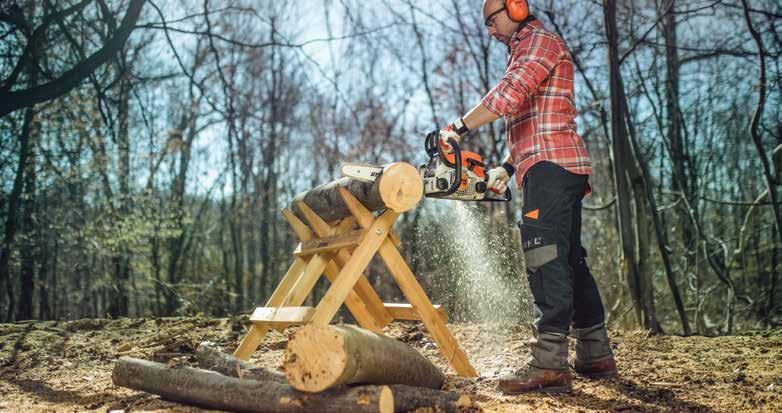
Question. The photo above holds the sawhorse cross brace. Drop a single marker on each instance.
(342, 253)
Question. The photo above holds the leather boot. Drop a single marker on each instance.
(547, 370)
(594, 357)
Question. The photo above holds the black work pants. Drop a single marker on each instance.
(563, 289)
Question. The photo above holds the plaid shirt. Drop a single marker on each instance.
(536, 98)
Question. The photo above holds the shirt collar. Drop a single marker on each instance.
(526, 26)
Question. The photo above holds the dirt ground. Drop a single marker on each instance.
(66, 366)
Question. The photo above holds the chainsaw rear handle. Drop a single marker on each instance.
(457, 164)
(434, 148)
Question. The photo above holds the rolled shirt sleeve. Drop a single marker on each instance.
(534, 57)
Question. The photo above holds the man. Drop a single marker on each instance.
(552, 167)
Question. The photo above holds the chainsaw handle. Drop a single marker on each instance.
(433, 148)
(430, 143)
(457, 164)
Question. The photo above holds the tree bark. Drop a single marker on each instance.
(399, 187)
(408, 399)
(211, 358)
(320, 357)
(215, 391)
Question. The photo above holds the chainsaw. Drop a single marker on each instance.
(456, 174)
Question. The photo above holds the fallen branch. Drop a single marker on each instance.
(210, 358)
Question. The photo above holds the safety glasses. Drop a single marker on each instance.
(489, 22)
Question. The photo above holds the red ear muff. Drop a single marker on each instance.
(517, 9)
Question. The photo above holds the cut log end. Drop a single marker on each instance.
(315, 358)
(385, 401)
(320, 357)
(401, 186)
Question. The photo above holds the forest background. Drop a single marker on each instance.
(147, 147)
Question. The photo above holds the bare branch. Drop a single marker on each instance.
(11, 101)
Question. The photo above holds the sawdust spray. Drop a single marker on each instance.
(471, 262)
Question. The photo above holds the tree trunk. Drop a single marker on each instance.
(772, 285)
(679, 159)
(213, 390)
(320, 357)
(120, 301)
(770, 175)
(28, 246)
(238, 249)
(13, 208)
(56, 293)
(399, 188)
(629, 264)
(643, 191)
(44, 310)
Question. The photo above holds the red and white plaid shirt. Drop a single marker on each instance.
(536, 98)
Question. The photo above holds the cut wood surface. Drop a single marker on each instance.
(398, 188)
(321, 357)
(215, 391)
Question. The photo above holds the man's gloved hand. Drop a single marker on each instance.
(447, 134)
(499, 177)
(454, 131)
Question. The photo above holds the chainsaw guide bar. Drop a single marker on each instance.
(361, 171)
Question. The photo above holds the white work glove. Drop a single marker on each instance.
(499, 177)
(454, 131)
(445, 135)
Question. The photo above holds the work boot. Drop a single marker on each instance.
(594, 358)
(546, 371)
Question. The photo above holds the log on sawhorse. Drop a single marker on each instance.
(342, 250)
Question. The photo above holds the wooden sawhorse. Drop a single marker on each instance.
(342, 253)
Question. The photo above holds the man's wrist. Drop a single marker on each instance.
(460, 127)
(509, 168)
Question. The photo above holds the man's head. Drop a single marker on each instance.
(497, 16)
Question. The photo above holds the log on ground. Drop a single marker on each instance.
(211, 358)
(321, 357)
(398, 188)
(408, 399)
(213, 390)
